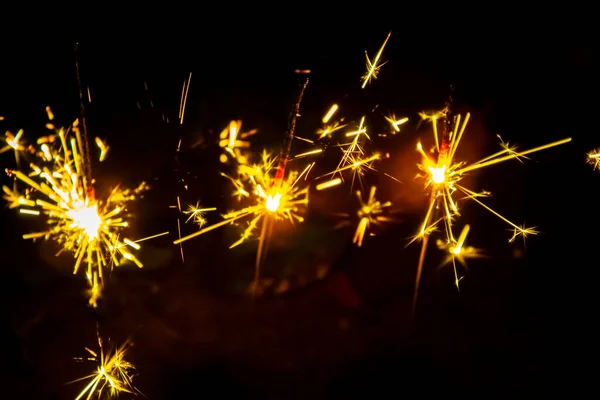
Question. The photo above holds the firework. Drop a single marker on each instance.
(443, 173)
(370, 213)
(113, 374)
(59, 189)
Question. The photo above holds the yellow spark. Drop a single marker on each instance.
(184, 95)
(370, 213)
(396, 122)
(103, 147)
(593, 158)
(266, 196)
(442, 176)
(234, 142)
(196, 214)
(374, 67)
(329, 184)
(79, 222)
(309, 153)
(15, 143)
(457, 251)
(113, 374)
(328, 130)
(330, 113)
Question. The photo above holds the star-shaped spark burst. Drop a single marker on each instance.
(233, 141)
(442, 174)
(113, 374)
(196, 214)
(15, 143)
(374, 66)
(59, 189)
(593, 158)
(370, 213)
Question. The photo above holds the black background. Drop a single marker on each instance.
(511, 328)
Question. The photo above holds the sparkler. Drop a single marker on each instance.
(443, 173)
(58, 189)
(113, 375)
(370, 213)
(272, 197)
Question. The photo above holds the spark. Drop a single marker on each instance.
(395, 123)
(196, 214)
(374, 67)
(233, 141)
(457, 251)
(593, 158)
(329, 184)
(15, 143)
(370, 213)
(58, 189)
(103, 149)
(113, 375)
(330, 113)
(184, 95)
(442, 176)
(327, 130)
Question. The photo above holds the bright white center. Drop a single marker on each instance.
(86, 218)
(273, 201)
(438, 175)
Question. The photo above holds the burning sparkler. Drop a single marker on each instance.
(113, 375)
(442, 174)
(59, 189)
(272, 195)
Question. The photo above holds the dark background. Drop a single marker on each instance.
(516, 326)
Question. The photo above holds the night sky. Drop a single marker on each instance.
(516, 325)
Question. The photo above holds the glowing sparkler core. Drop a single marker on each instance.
(273, 202)
(87, 219)
(438, 174)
